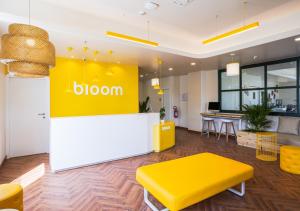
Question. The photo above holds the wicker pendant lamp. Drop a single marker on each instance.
(27, 51)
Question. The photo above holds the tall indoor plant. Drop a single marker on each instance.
(256, 120)
(256, 117)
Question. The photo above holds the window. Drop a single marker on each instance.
(253, 77)
(275, 84)
(231, 101)
(230, 82)
(282, 100)
(230, 98)
(282, 74)
(253, 97)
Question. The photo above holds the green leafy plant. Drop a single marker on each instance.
(162, 113)
(143, 106)
(256, 117)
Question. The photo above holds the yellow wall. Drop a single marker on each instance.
(112, 88)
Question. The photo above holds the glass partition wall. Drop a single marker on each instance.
(275, 84)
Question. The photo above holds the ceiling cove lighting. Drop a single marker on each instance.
(232, 33)
(130, 38)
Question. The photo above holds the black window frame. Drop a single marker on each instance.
(265, 88)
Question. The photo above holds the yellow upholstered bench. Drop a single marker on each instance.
(290, 159)
(182, 182)
(11, 196)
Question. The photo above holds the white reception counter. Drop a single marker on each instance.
(80, 141)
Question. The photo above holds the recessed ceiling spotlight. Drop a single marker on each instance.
(255, 57)
(170, 68)
(142, 12)
(297, 39)
(193, 63)
(150, 5)
(141, 75)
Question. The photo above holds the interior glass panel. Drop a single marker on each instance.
(230, 82)
(283, 74)
(253, 78)
(282, 100)
(230, 101)
(253, 97)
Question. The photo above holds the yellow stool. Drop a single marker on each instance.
(290, 159)
(266, 146)
(11, 196)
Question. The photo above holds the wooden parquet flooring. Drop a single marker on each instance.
(112, 186)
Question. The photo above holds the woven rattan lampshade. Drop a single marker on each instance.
(27, 51)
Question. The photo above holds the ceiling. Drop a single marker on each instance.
(178, 29)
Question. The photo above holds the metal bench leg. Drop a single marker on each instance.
(239, 193)
(150, 204)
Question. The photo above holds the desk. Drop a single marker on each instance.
(86, 140)
(231, 116)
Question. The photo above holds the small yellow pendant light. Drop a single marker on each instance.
(160, 92)
(156, 87)
(27, 51)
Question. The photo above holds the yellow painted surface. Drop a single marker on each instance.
(290, 159)
(182, 182)
(92, 88)
(164, 136)
(11, 196)
(131, 38)
(232, 32)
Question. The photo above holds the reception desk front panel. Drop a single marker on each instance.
(80, 141)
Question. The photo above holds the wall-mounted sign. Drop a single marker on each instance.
(84, 88)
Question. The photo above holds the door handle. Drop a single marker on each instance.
(41, 114)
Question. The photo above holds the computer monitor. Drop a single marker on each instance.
(215, 106)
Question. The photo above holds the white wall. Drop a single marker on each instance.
(183, 101)
(194, 101)
(2, 114)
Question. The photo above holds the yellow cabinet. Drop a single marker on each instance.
(164, 136)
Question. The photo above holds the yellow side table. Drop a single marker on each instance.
(290, 159)
(266, 146)
(164, 136)
(11, 196)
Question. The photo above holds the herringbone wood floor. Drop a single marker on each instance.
(112, 186)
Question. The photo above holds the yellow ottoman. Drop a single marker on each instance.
(182, 182)
(11, 196)
(290, 159)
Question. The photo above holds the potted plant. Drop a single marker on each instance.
(162, 114)
(256, 121)
(143, 106)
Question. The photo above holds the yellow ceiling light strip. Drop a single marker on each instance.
(231, 33)
(130, 38)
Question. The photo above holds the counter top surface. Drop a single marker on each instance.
(223, 115)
